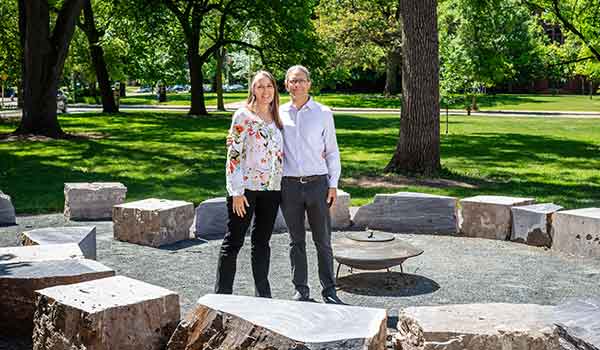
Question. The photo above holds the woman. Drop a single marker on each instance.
(253, 171)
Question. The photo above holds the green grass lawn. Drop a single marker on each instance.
(486, 102)
(176, 157)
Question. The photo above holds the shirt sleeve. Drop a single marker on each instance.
(332, 152)
(236, 138)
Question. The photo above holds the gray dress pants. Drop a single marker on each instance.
(310, 198)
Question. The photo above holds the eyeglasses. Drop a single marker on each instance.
(297, 81)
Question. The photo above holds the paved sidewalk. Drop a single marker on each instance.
(86, 108)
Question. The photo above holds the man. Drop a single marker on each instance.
(311, 170)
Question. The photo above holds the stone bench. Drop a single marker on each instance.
(477, 326)
(111, 313)
(532, 224)
(577, 232)
(211, 218)
(92, 201)
(7, 210)
(83, 236)
(227, 321)
(408, 212)
(153, 222)
(23, 270)
(489, 216)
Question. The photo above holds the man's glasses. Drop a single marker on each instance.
(297, 81)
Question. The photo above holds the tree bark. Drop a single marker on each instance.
(219, 79)
(44, 58)
(198, 106)
(393, 66)
(97, 54)
(418, 148)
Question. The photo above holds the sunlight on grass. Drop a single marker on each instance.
(173, 156)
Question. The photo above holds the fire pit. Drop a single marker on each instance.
(372, 250)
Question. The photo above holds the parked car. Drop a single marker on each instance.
(234, 87)
(61, 102)
(144, 89)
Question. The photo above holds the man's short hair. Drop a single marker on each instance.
(300, 68)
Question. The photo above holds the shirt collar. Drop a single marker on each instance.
(310, 104)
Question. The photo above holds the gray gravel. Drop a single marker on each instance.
(452, 270)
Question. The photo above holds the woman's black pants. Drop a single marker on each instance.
(264, 205)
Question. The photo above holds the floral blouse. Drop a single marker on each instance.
(254, 154)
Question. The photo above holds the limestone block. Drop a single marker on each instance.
(18, 255)
(577, 232)
(212, 217)
(112, 313)
(7, 210)
(489, 216)
(408, 212)
(237, 322)
(153, 222)
(578, 322)
(532, 224)
(19, 281)
(83, 236)
(92, 201)
(477, 327)
(339, 212)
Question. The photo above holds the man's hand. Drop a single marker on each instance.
(239, 205)
(331, 196)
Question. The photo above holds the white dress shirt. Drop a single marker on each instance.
(309, 141)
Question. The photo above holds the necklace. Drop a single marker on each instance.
(265, 117)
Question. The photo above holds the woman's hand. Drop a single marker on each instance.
(239, 205)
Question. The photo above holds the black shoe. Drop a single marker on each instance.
(333, 299)
(301, 297)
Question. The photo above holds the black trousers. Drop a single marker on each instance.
(310, 198)
(264, 206)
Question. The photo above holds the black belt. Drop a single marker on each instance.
(304, 179)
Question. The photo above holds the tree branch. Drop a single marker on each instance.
(571, 61)
(574, 30)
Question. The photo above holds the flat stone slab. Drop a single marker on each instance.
(578, 321)
(409, 212)
(532, 224)
(489, 216)
(111, 313)
(7, 210)
(20, 280)
(153, 222)
(92, 200)
(477, 326)
(83, 236)
(577, 232)
(17, 255)
(238, 322)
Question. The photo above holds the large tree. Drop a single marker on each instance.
(44, 51)
(361, 34)
(418, 149)
(94, 36)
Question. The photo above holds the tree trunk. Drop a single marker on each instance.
(22, 30)
(44, 57)
(198, 106)
(418, 149)
(393, 66)
(97, 54)
(219, 79)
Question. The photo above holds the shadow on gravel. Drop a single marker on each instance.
(387, 284)
(184, 244)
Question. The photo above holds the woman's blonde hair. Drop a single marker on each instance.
(251, 101)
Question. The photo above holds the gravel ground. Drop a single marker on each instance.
(452, 270)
